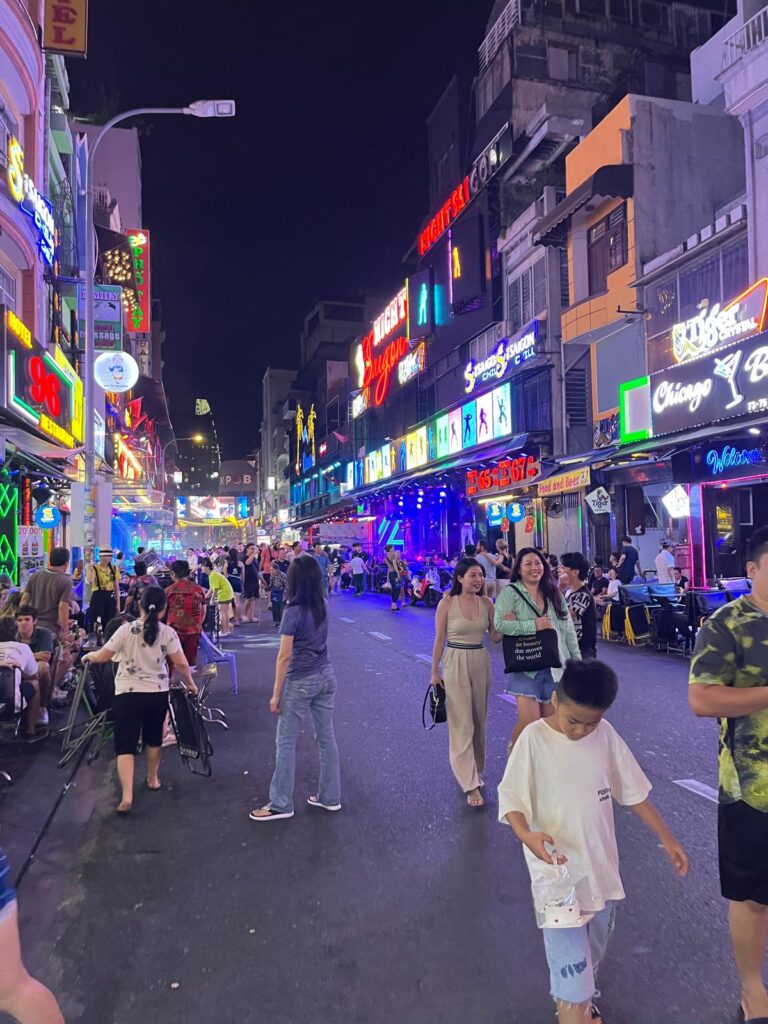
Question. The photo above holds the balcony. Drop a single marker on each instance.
(749, 37)
(507, 21)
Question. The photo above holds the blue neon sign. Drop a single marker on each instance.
(728, 457)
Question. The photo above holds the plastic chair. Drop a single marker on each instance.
(209, 654)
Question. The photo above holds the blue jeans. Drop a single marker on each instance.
(315, 694)
(574, 954)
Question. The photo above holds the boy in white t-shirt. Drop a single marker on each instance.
(557, 794)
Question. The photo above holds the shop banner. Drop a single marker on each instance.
(508, 473)
(563, 482)
(42, 389)
(731, 382)
(107, 315)
(66, 27)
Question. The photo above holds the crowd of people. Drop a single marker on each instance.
(566, 764)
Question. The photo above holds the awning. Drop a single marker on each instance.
(613, 181)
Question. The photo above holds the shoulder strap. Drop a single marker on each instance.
(530, 603)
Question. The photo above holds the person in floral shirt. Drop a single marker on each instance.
(186, 609)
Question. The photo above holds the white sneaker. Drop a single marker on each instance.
(43, 717)
(314, 801)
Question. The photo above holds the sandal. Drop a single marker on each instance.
(153, 789)
(750, 1020)
(476, 800)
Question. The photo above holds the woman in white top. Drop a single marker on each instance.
(612, 593)
(142, 650)
(489, 563)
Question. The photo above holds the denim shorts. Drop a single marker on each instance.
(574, 954)
(540, 687)
(7, 893)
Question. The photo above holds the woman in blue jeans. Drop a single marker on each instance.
(304, 682)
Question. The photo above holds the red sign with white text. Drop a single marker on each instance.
(447, 213)
(377, 375)
(508, 472)
(139, 315)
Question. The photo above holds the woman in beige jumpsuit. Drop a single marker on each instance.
(463, 618)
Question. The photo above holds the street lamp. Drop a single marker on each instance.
(196, 439)
(200, 108)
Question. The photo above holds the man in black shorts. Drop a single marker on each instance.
(729, 681)
(251, 581)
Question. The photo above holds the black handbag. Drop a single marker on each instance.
(532, 651)
(435, 697)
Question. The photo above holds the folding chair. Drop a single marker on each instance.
(209, 654)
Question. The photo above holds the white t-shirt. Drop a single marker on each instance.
(488, 564)
(140, 668)
(564, 788)
(664, 562)
(613, 590)
(21, 653)
(357, 565)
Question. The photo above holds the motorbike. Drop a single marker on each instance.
(427, 587)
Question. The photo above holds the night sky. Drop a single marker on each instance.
(318, 186)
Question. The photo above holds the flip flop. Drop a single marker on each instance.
(153, 789)
(123, 812)
(751, 1020)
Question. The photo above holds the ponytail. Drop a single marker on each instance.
(152, 603)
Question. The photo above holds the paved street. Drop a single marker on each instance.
(407, 907)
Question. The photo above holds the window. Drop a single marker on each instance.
(8, 126)
(563, 63)
(531, 61)
(661, 303)
(698, 284)
(495, 77)
(337, 311)
(7, 289)
(576, 397)
(565, 292)
(527, 296)
(735, 269)
(606, 248)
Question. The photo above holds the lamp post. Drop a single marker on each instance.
(200, 108)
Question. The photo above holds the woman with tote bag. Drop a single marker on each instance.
(539, 637)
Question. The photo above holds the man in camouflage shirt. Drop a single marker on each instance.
(729, 681)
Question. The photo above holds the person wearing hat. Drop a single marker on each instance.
(104, 579)
(665, 561)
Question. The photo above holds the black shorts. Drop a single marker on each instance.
(139, 715)
(742, 834)
(251, 590)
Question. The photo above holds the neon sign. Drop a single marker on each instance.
(731, 458)
(715, 327)
(31, 201)
(412, 364)
(456, 262)
(442, 220)
(508, 472)
(507, 352)
(420, 290)
(139, 315)
(483, 169)
(391, 318)
(378, 368)
(41, 387)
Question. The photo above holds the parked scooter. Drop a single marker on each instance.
(427, 587)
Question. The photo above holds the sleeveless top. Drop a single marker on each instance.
(461, 630)
(506, 561)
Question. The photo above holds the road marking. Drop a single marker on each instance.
(380, 636)
(425, 657)
(699, 788)
(343, 619)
